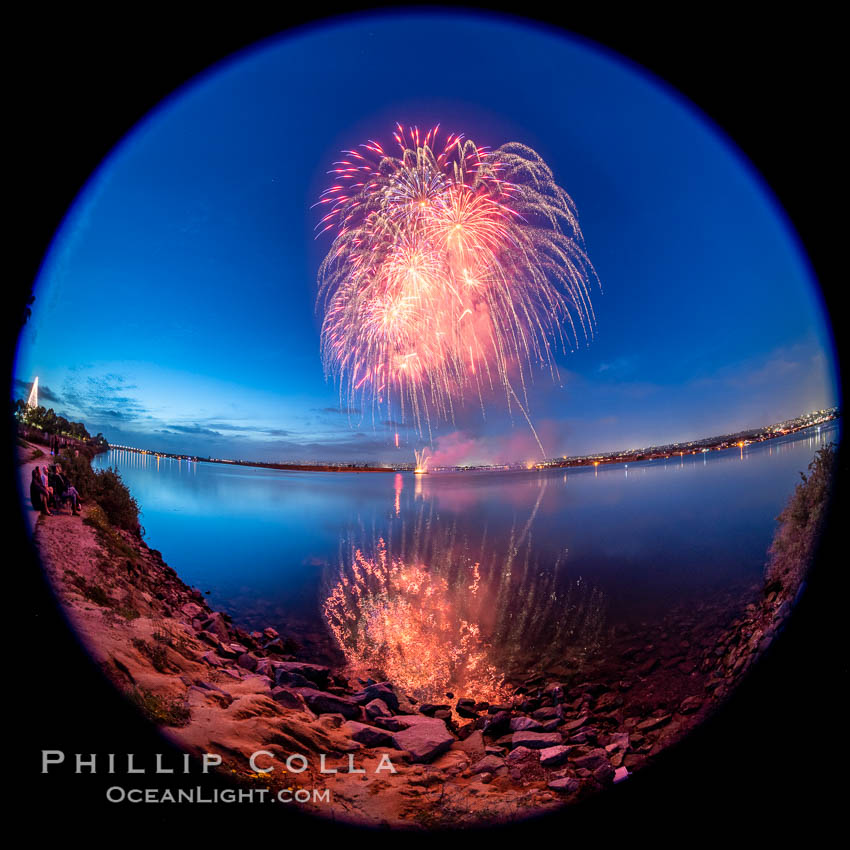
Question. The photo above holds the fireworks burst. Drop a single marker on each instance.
(454, 270)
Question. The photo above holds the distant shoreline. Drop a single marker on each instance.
(258, 464)
(693, 447)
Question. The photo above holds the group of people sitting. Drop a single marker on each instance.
(50, 488)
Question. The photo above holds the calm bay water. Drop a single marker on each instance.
(616, 544)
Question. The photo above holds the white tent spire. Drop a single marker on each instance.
(32, 401)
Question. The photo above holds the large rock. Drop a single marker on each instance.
(524, 765)
(369, 736)
(221, 648)
(497, 724)
(472, 745)
(325, 703)
(264, 668)
(431, 708)
(654, 723)
(391, 723)
(536, 740)
(548, 712)
(522, 724)
(617, 742)
(424, 738)
(288, 698)
(466, 708)
(380, 690)
(377, 708)
(218, 626)
(291, 679)
(572, 725)
(553, 756)
(488, 764)
(247, 661)
(192, 610)
(593, 760)
(604, 773)
(314, 672)
(278, 647)
(586, 735)
(245, 638)
(690, 704)
(566, 785)
(519, 754)
(609, 701)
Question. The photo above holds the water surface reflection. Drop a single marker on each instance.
(631, 543)
(436, 609)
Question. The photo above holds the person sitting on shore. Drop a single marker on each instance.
(45, 480)
(63, 490)
(54, 483)
(39, 494)
(70, 492)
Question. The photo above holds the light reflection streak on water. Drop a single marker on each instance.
(435, 614)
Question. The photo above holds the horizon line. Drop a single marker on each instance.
(829, 414)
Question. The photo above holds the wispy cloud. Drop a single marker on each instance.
(215, 428)
(196, 430)
(343, 411)
(619, 366)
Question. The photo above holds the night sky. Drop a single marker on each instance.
(175, 310)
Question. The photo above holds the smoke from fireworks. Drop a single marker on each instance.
(454, 270)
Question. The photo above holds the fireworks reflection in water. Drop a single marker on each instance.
(434, 612)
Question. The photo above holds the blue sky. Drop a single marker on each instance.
(175, 309)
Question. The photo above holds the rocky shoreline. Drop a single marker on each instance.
(565, 733)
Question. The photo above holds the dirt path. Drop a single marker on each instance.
(26, 464)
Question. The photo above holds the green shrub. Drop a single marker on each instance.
(107, 535)
(79, 472)
(104, 487)
(116, 500)
(163, 711)
(156, 653)
(800, 524)
(93, 592)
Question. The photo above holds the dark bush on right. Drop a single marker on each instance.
(800, 523)
(116, 500)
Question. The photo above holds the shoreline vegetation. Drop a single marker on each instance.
(563, 733)
(693, 447)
